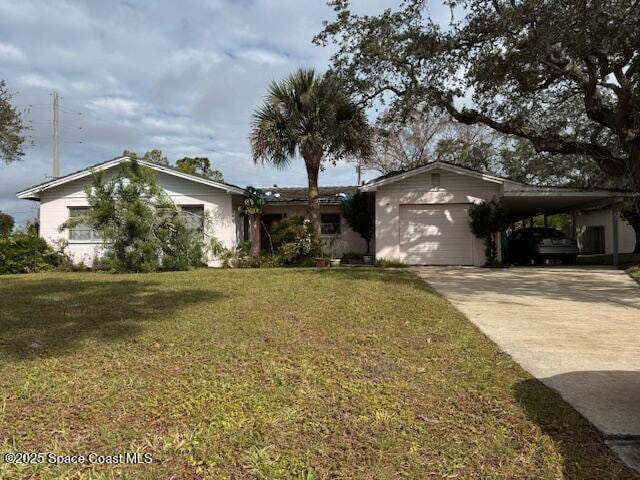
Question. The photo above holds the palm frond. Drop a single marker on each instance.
(311, 115)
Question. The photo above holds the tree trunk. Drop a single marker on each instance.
(254, 234)
(266, 232)
(635, 174)
(313, 168)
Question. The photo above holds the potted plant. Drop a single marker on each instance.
(359, 214)
(335, 261)
(321, 262)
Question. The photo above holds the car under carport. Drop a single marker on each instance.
(421, 215)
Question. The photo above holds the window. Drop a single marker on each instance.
(593, 240)
(81, 232)
(329, 223)
(435, 179)
(194, 216)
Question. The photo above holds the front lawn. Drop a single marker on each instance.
(624, 259)
(273, 373)
(635, 273)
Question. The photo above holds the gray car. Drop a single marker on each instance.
(535, 245)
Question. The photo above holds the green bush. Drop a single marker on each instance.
(27, 253)
(352, 258)
(141, 228)
(385, 263)
(240, 256)
(359, 213)
(487, 219)
(293, 240)
(6, 224)
(285, 231)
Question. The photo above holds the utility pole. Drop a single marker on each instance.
(56, 135)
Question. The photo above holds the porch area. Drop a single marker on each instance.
(287, 202)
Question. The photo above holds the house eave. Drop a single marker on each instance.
(33, 193)
(566, 192)
(373, 186)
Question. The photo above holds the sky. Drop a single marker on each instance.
(182, 76)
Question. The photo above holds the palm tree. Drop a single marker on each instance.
(311, 116)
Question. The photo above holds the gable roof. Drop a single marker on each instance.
(33, 192)
(372, 185)
(328, 195)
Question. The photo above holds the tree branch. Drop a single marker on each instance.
(553, 144)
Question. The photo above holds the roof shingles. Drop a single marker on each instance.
(331, 194)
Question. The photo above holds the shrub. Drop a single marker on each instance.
(182, 249)
(27, 253)
(293, 240)
(6, 224)
(141, 228)
(487, 219)
(241, 257)
(286, 231)
(354, 258)
(359, 214)
(386, 263)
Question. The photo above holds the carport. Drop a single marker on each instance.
(422, 214)
(525, 202)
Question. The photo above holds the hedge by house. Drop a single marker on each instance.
(23, 253)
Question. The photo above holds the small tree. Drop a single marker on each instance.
(487, 219)
(141, 228)
(12, 128)
(6, 224)
(199, 166)
(359, 215)
(154, 156)
(252, 207)
(630, 211)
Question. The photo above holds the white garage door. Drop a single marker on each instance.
(435, 235)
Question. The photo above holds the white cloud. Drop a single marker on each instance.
(262, 56)
(115, 105)
(184, 76)
(37, 81)
(193, 57)
(11, 53)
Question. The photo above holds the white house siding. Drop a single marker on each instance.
(626, 235)
(417, 190)
(349, 241)
(55, 203)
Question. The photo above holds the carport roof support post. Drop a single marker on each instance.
(614, 226)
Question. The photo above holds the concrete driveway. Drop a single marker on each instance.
(576, 329)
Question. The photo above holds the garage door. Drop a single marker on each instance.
(435, 235)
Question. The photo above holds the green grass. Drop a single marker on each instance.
(625, 259)
(628, 261)
(634, 272)
(269, 374)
